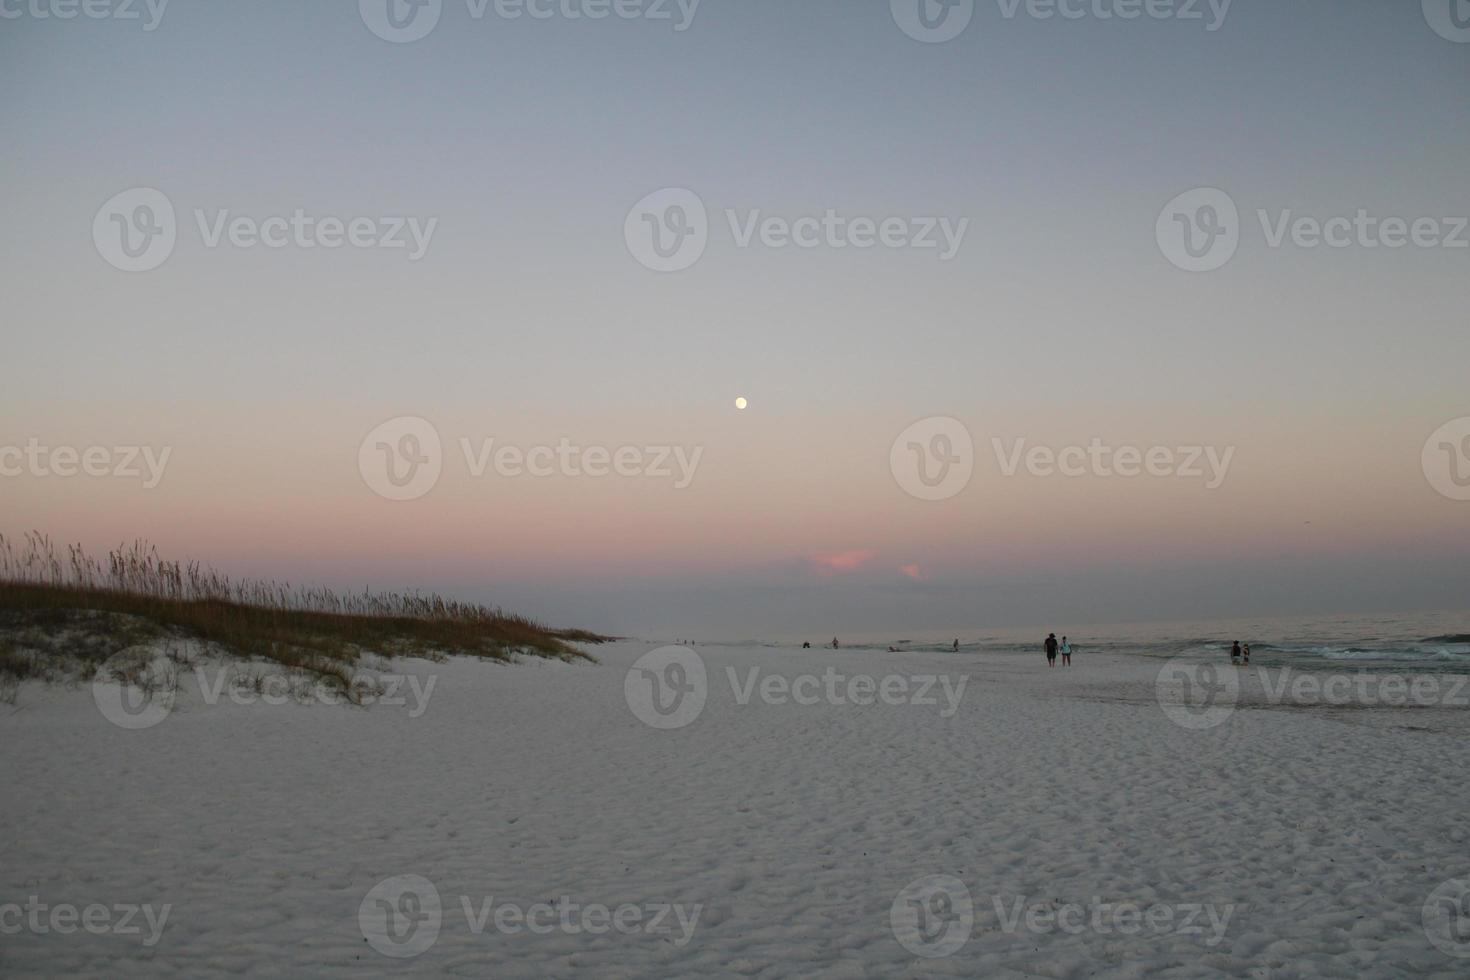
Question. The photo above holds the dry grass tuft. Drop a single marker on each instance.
(81, 610)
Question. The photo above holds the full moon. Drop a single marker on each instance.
(740, 403)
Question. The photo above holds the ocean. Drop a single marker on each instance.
(1419, 641)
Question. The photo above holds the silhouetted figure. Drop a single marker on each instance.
(956, 645)
(1235, 652)
(1051, 649)
(834, 643)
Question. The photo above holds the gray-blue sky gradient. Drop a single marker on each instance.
(530, 139)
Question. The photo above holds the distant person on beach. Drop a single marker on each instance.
(806, 646)
(1245, 653)
(957, 645)
(1051, 649)
(834, 643)
(1235, 652)
(1066, 652)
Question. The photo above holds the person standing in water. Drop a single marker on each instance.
(834, 643)
(1051, 649)
(957, 645)
(1245, 653)
(1235, 652)
(1066, 653)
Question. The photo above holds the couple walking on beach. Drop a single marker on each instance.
(1053, 648)
(1236, 653)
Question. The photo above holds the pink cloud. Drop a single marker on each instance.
(911, 570)
(841, 561)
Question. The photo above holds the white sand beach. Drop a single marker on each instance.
(761, 839)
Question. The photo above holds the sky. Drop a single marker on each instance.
(1035, 178)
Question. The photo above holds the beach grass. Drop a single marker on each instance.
(64, 613)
